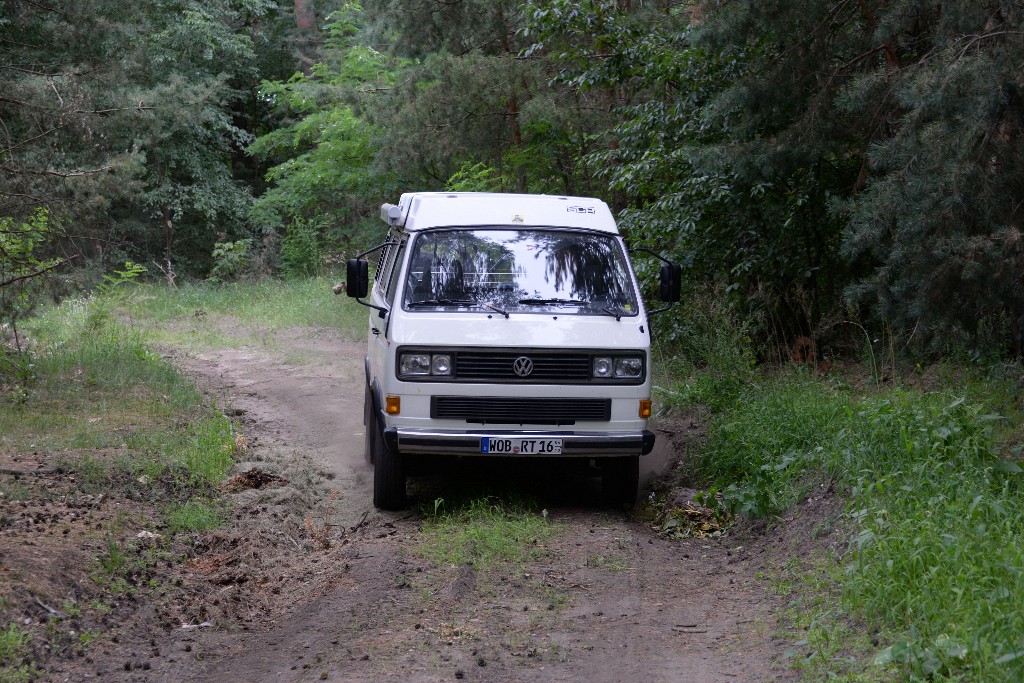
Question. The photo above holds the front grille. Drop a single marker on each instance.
(541, 411)
(474, 366)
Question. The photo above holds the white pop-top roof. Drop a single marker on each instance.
(424, 210)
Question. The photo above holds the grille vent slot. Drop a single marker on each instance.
(540, 411)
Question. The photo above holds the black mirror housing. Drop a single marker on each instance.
(671, 282)
(357, 280)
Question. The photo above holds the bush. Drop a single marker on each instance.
(302, 249)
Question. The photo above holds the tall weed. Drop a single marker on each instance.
(15, 655)
(708, 344)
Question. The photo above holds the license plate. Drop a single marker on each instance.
(503, 445)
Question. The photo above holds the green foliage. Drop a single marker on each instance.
(935, 513)
(940, 215)
(323, 155)
(115, 283)
(469, 97)
(301, 250)
(21, 262)
(109, 292)
(126, 121)
(808, 162)
(15, 655)
(750, 220)
(475, 177)
(230, 259)
(800, 154)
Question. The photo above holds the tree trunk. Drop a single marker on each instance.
(308, 36)
(168, 232)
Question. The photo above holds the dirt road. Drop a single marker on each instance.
(309, 582)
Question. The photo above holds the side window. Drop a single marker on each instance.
(385, 263)
(396, 268)
(382, 263)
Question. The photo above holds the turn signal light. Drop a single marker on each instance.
(393, 405)
(645, 408)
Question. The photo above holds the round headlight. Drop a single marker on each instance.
(442, 364)
(602, 367)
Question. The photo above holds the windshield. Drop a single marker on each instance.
(509, 270)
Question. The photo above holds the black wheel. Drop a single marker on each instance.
(620, 479)
(388, 472)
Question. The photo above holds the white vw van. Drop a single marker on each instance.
(505, 325)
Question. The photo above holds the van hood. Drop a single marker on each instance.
(519, 330)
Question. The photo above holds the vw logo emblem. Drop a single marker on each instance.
(522, 366)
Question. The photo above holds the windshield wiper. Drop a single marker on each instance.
(562, 302)
(444, 302)
(496, 309)
(615, 313)
(457, 302)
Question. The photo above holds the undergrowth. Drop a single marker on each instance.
(15, 655)
(933, 489)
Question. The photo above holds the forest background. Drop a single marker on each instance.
(841, 170)
(840, 179)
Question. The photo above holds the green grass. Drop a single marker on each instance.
(485, 533)
(91, 388)
(262, 307)
(102, 399)
(15, 650)
(937, 513)
(98, 386)
(195, 515)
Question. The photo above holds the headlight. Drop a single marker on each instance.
(618, 367)
(441, 364)
(425, 365)
(414, 364)
(629, 368)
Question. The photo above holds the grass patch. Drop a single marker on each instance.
(195, 515)
(265, 306)
(103, 388)
(15, 655)
(936, 561)
(484, 532)
(101, 405)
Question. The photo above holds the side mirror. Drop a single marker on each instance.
(357, 280)
(671, 282)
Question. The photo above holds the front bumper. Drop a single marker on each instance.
(574, 444)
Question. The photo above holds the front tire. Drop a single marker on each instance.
(388, 472)
(620, 479)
